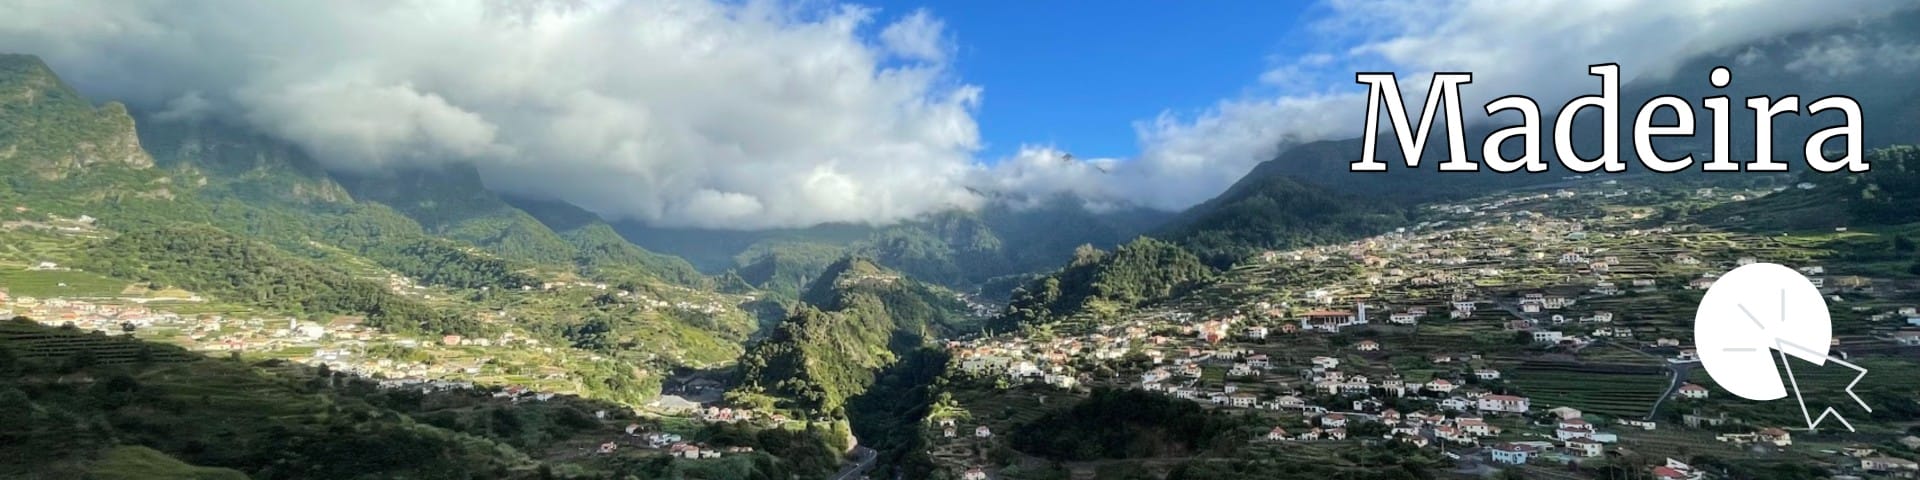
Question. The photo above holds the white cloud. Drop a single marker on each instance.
(724, 114)
(679, 112)
(1852, 54)
(917, 37)
(1539, 49)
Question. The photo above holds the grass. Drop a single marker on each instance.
(136, 462)
(1626, 395)
(58, 283)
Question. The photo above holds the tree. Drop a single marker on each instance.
(1903, 244)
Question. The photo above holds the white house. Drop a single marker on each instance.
(1547, 336)
(1243, 400)
(1242, 369)
(1155, 375)
(1503, 403)
(1583, 447)
(1889, 465)
(1476, 427)
(1512, 454)
(1333, 420)
(1693, 391)
(1256, 332)
(1487, 374)
(1573, 428)
(982, 432)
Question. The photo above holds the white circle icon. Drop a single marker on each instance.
(1751, 312)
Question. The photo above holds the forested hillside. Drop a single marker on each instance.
(857, 319)
(162, 411)
(205, 259)
(1097, 284)
(1887, 194)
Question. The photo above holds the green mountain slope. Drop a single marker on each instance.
(1886, 194)
(1099, 284)
(81, 412)
(600, 251)
(206, 259)
(1270, 209)
(61, 154)
(270, 189)
(858, 318)
(256, 228)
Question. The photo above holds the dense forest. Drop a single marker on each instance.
(854, 322)
(1100, 283)
(1127, 423)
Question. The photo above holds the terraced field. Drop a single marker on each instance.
(29, 341)
(1618, 394)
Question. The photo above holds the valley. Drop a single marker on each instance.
(1545, 331)
(188, 295)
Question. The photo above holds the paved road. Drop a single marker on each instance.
(859, 467)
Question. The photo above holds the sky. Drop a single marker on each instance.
(749, 114)
(1077, 75)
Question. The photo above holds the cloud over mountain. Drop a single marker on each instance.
(768, 114)
(681, 112)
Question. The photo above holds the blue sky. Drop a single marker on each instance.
(1078, 74)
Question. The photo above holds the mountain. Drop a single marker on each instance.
(857, 319)
(1884, 195)
(1098, 284)
(1270, 208)
(60, 153)
(963, 249)
(268, 188)
(249, 228)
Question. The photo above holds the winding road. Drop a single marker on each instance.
(865, 457)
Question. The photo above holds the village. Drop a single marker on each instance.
(1529, 329)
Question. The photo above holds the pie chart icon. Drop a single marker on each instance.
(1751, 312)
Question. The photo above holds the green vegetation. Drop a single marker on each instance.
(858, 320)
(79, 416)
(1383, 461)
(137, 462)
(1619, 394)
(1883, 195)
(1276, 212)
(205, 259)
(66, 283)
(1126, 424)
(1101, 283)
(889, 416)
